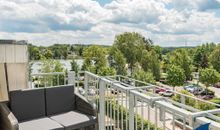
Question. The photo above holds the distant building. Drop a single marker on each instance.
(195, 75)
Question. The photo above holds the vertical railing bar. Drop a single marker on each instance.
(107, 107)
(31, 81)
(86, 82)
(126, 108)
(142, 120)
(102, 105)
(110, 93)
(64, 79)
(131, 111)
(122, 115)
(58, 79)
(51, 84)
(97, 94)
(44, 81)
(184, 123)
(173, 121)
(156, 125)
(38, 81)
(148, 116)
(109, 99)
(164, 119)
(114, 92)
(136, 114)
(118, 110)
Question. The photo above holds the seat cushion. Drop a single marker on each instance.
(59, 99)
(40, 124)
(28, 104)
(74, 120)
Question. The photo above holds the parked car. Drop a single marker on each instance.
(207, 97)
(158, 90)
(198, 90)
(167, 93)
(193, 88)
(217, 85)
(206, 92)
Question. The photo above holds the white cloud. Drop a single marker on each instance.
(201, 5)
(86, 21)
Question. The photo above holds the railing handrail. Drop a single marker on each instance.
(193, 116)
(51, 73)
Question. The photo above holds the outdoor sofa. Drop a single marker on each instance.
(52, 108)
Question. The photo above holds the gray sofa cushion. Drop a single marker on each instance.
(74, 120)
(40, 124)
(59, 99)
(28, 104)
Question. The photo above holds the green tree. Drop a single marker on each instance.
(131, 45)
(74, 66)
(57, 54)
(200, 58)
(34, 53)
(106, 71)
(181, 58)
(117, 61)
(150, 62)
(208, 76)
(141, 75)
(158, 50)
(215, 59)
(175, 76)
(50, 66)
(47, 54)
(94, 59)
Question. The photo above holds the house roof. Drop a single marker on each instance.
(7, 41)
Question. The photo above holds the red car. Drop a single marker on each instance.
(158, 90)
(217, 85)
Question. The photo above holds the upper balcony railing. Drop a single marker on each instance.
(128, 104)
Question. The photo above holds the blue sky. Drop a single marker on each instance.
(166, 22)
(103, 2)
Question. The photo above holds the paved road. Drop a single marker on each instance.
(216, 90)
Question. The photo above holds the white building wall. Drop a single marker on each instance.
(16, 58)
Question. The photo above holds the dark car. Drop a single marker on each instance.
(206, 92)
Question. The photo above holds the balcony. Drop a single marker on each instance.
(123, 103)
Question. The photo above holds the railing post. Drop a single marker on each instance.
(71, 77)
(131, 111)
(191, 121)
(162, 114)
(183, 99)
(86, 84)
(102, 105)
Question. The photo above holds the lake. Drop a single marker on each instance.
(66, 65)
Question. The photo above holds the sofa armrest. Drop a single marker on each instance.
(7, 118)
(84, 106)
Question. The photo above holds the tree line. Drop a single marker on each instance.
(134, 55)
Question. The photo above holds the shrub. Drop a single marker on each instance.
(117, 108)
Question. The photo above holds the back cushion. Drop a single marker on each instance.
(28, 104)
(59, 99)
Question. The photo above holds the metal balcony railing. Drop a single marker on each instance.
(127, 104)
(47, 79)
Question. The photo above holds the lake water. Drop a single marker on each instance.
(66, 64)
